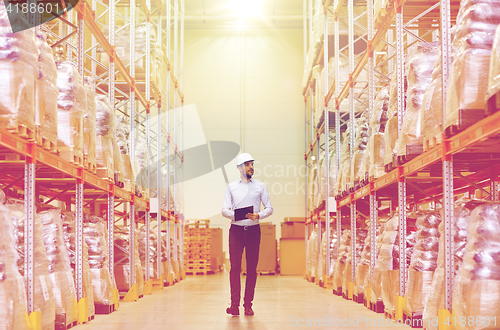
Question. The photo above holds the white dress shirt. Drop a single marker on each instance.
(240, 194)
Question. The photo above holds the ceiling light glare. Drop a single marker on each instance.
(247, 8)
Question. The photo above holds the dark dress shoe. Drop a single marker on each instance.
(249, 311)
(233, 310)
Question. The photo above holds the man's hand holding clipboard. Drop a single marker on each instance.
(245, 213)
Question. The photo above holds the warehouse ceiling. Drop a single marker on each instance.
(243, 14)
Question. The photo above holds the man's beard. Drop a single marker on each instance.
(248, 175)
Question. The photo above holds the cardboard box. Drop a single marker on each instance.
(293, 230)
(292, 256)
(268, 258)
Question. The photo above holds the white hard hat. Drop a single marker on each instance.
(243, 158)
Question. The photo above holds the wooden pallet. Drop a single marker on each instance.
(60, 323)
(104, 309)
(119, 179)
(19, 130)
(431, 142)
(377, 307)
(198, 272)
(389, 315)
(46, 144)
(71, 155)
(415, 320)
(389, 167)
(466, 117)
(412, 151)
(338, 291)
(90, 164)
(199, 224)
(359, 298)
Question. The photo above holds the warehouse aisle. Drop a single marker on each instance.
(199, 302)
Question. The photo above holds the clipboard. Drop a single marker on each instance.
(240, 214)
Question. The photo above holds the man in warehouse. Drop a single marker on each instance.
(242, 205)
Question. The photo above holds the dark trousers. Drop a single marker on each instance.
(240, 238)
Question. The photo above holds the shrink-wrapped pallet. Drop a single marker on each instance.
(431, 111)
(344, 174)
(475, 31)
(419, 66)
(44, 297)
(423, 261)
(391, 126)
(477, 284)
(167, 268)
(122, 261)
(105, 129)
(63, 284)
(312, 253)
(361, 235)
(46, 91)
(341, 264)
(322, 270)
(436, 299)
(313, 186)
(150, 252)
(122, 124)
(89, 124)
(12, 290)
(388, 259)
(360, 146)
(141, 164)
(69, 227)
(494, 80)
(19, 69)
(375, 282)
(71, 106)
(95, 234)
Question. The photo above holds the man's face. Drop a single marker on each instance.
(246, 169)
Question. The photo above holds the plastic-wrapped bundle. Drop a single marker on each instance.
(167, 269)
(375, 282)
(46, 91)
(89, 124)
(376, 145)
(360, 240)
(388, 259)
(19, 68)
(345, 165)
(150, 252)
(423, 261)
(341, 264)
(69, 228)
(122, 138)
(312, 253)
(494, 80)
(360, 146)
(419, 66)
(475, 32)
(391, 126)
(105, 128)
(141, 164)
(333, 254)
(44, 297)
(63, 285)
(461, 218)
(313, 186)
(95, 234)
(71, 106)
(362, 277)
(122, 261)
(12, 291)
(477, 284)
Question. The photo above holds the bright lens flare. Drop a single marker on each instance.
(247, 8)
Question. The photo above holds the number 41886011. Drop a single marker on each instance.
(472, 321)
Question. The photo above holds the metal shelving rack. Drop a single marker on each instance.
(58, 179)
(397, 186)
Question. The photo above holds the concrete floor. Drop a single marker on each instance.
(281, 302)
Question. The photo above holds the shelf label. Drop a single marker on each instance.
(59, 164)
(19, 145)
(41, 156)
